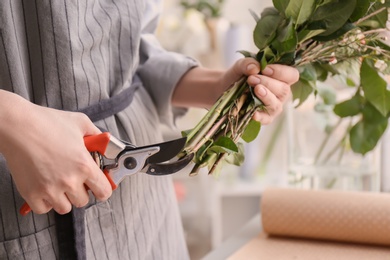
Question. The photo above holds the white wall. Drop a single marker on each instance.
(385, 182)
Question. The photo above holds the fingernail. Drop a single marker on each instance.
(261, 91)
(251, 67)
(268, 71)
(255, 80)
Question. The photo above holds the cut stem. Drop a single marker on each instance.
(209, 119)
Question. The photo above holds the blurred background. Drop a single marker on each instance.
(213, 208)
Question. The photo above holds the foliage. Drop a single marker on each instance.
(321, 38)
(210, 8)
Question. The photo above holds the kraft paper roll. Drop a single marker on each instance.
(281, 248)
(343, 216)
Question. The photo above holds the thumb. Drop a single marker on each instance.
(245, 66)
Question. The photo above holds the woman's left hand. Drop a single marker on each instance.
(272, 86)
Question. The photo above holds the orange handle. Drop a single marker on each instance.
(93, 143)
(25, 209)
(113, 185)
(97, 143)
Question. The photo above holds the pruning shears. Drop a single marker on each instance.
(118, 159)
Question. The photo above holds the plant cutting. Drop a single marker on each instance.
(321, 38)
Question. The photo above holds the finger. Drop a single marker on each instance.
(245, 66)
(60, 203)
(263, 117)
(283, 73)
(273, 106)
(40, 206)
(279, 88)
(79, 198)
(98, 183)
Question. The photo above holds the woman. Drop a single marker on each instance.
(60, 58)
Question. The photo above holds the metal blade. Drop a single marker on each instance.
(168, 150)
(159, 169)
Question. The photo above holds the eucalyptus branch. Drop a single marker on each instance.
(367, 17)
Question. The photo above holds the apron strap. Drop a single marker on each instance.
(108, 107)
(71, 234)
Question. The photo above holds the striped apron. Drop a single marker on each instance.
(71, 55)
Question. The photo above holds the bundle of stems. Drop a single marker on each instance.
(216, 134)
(314, 38)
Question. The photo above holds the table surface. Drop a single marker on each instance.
(235, 242)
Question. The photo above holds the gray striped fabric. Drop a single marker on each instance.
(69, 54)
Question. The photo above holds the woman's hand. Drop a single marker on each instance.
(45, 152)
(272, 86)
(201, 87)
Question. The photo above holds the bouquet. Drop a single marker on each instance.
(321, 38)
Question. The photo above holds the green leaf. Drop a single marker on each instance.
(332, 16)
(300, 10)
(322, 73)
(251, 131)
(209, 160)
(375, 87)
(350, 82)
(370, 24)
(308, 72)
(263, 62)
(326, 66)
(328, 95)
(341, 31)
(364, 136)
(287, 39)
(185, 133)
(201, 153)
(378, 20)
(361, 10)
(308, 34)
(281, 5)
(256, 101)
(350, 107)
(270, 11)
(247, 54)
(372, 115)
(302, 90)
(287, 58)
(236, 158)
(265, 30)
(324, 2)
(224, 145)
(317, 25)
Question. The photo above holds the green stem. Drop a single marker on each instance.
(325, 141)
(369, 16)
(337, 146)
(210, 133)
(271, 145)
(241, 127)
(243, 123)
(208, 120)
(217, 162)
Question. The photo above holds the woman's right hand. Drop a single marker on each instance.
(45, 152)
